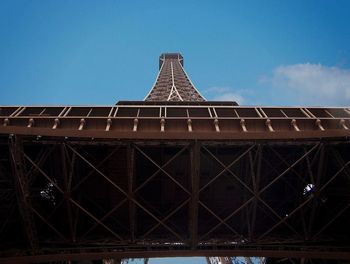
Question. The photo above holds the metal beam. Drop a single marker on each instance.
(161, 168)
(244, 169)
(278, 252)
(195, 152)
(223, 221)
(161, 222)
(23, 191)
(97, 166)
(289, 168)
(67, 178)
(225, 168)
(321, 168)
(165, 218)
(70, 198)
(131, 182)
(97, 170)
(298, 123)
(256, 182)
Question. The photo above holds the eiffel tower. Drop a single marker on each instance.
(172, 83)
(174, 175)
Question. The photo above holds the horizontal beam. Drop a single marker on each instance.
(273, 253)
(212, 120)
(177, 135)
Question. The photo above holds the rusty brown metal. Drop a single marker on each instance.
(136, 121)
(172, 82)
(23, 191)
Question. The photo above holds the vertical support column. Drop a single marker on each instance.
(67, 175)
(195, 171)
(321, 170)
(256, 181)
(23, 191)
(130, 152)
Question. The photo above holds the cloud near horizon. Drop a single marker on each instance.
(225, 94)
(295, 84)
(312, 83)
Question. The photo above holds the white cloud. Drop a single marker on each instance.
(312, 83)
(224, 94)
(296, 84)
(229, 97)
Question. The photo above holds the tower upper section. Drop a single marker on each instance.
(172, 83)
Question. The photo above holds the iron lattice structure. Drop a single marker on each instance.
(154, 179)
(172, 82)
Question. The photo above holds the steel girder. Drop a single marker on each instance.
(135, 120)
(88, 199)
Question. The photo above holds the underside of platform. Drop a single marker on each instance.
(78, 198)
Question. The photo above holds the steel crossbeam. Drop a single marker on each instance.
(257, 196)
(131, 192)
(7, 192)
(98, 171)
(343, 168)
(68, 175)
(283, 160)
(195, 153)
(93, 170)
(225, 167)
(255, 182)
(327, 254)
(105, 217)
(23, 191)
(223, 221)
(203, 120)
(332, 220)
(162, 221)
(289, 168)
(161, 168)
(283, 220)
(341, 163)
(44, 220)
(246, 167)
(40, 159)
(70, 199)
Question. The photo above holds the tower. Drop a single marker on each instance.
(172, 82)
(173, 175)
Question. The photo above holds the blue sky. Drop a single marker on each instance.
(98, 52)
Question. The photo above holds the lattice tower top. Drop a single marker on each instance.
(172, 83)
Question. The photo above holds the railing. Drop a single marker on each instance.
(161, 118)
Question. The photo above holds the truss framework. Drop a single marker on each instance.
(208, 120)
(174, 175)
(177, 197)
(172, 82)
